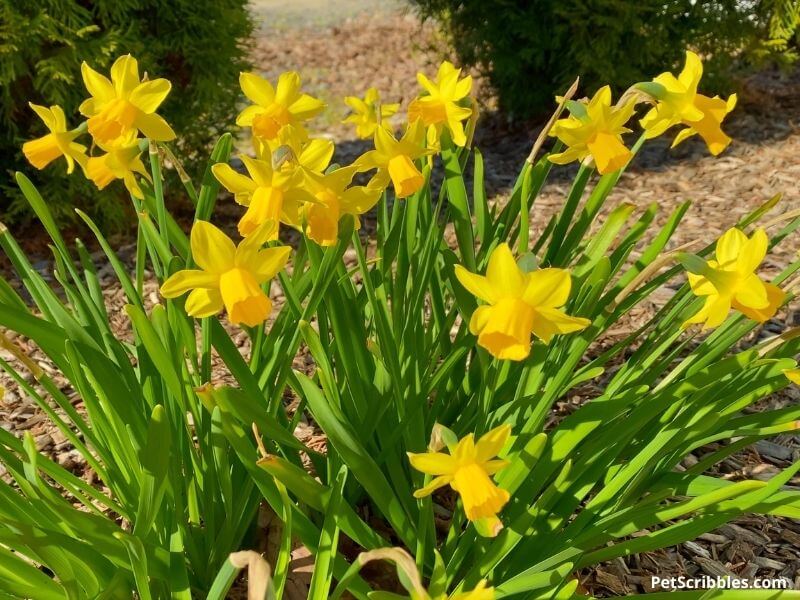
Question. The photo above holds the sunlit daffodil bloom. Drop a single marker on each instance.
(124, 103)
(677, 102)
(595, 129)
(468, 469)
(369, 113)
(292, 150)
(269, 193)
(394, 159)
(275, 107)
(59, 142)
(730, 281)
(518, 304)
(335, 199)
(229, 277)
(441, 108)
(120, 161)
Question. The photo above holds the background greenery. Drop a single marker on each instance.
(528, 48)
(199, 45)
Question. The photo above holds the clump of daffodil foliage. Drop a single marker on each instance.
(433, 365)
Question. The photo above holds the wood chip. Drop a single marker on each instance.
(733, 531)
(714, 568)
(768, 563)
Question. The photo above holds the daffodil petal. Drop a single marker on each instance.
(181, 282)
(692, 71)
(45, 114)
(752, 293)
(775, 296)
(316, 155)
(287, 88)
(548, 287)
(98, 85)
(479, 319)
(148, 95)
(154, 127)
(306, 107)
(260, 170)
(609, 153)
(432, 463)
(204, 302)
(234, 182)
(125, 74)
(475, 284)
(503, 274)
(729, 246)
(491, 443)
(714, 312)
(248, 249)
(792, 375)
(269, 262)
(551, 321)
(753, 252)
(248, 115)
(496, 465)
(435, 484)
(211, 248)
(257, 89)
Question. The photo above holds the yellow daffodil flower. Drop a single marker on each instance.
(369, 113)
(270, 193)
(59, 142)
(121, 161)
(677, 102)
(334, 199)
(793, 375)
(518, 304)
(292, 150)
(468, 469)
(441, 107)
(595, 129)
(730, 281)
(394, 159)
(229, 277)
(274, 108)
(124, 103)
